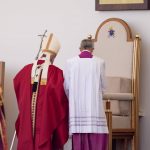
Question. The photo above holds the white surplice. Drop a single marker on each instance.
(84, 84)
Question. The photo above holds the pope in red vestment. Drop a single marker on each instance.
(51, 121)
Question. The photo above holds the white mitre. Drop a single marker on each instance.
(50, 46)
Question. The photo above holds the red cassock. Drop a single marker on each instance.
(51, 127)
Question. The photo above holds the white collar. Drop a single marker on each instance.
(85, 51)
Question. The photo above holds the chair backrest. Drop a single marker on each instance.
(114, 43)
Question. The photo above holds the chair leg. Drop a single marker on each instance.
(125, 144)
(109, 123)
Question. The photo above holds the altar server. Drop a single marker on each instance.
(84, 85)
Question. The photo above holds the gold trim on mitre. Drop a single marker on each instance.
(49, 51)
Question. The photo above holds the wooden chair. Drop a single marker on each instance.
(121, 52)
(3, 138)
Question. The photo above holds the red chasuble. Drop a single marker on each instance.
(51, 127)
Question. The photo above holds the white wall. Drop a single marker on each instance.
(71, 21)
